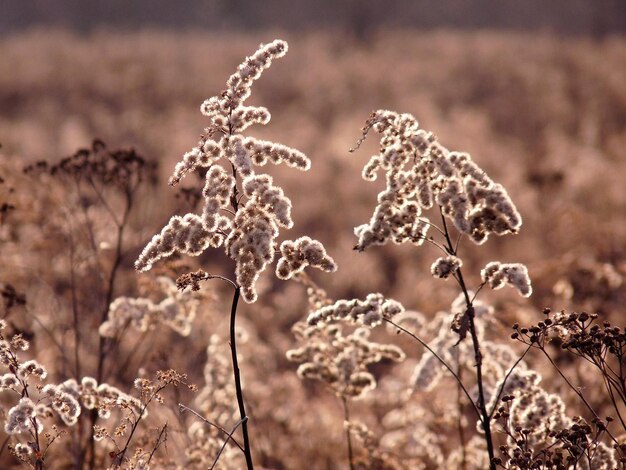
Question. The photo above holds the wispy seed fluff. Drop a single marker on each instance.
(177, 310)
(64, 403)
(21, 417)
(497, 275)
(340, 360)
(246, 228)
(419, 173)
(33, 368)
(300, 253)
(370, 312)
(445, 267)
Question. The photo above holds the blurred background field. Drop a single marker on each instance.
(541, 106)
(546, 116)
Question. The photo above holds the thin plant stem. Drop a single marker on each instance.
(486, 421)
(238, 389)
(102, 342)
(210, 423)
(346, 418)
(119, 459)
(459, 421)
(609, 389)
(506, 377)
(443, 363)
(158, 442)
(574, 389)
(242, 423)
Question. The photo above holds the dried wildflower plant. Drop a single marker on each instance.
(40, 403)
(119, 440)
(339, 359)
(422, 175)
(335, 348)
(176, 310)
(242, 209)
(29, 416)
(541, 435)
(602, 346)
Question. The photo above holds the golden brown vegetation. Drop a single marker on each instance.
(545, 117)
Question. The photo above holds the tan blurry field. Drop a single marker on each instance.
(544, 116)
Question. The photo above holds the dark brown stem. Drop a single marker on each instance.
(486, 420)
(239, 391)
(160, 438)
(119, 459)
(78, 450)
(609, 388)
(230, 435)
(459, 421)
(346, 417)
(111, 285)
(506, 377)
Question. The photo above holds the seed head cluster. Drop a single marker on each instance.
(369, 312)
(421, 173)
(429, 371)
(246, 228)
(540, 434)
(300, 253)
(444, 267)
(497, 275)
(177, 310)
(340, 360)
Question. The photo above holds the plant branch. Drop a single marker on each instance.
(210, 423)
(470, 313)
(443, 363)
(241, 422)
(506, 377)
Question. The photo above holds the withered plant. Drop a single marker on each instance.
(242, 209)
(422, 175)
(338, 358)
(108, 181)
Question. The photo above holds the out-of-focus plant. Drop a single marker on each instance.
(109, 180)
(340, 359)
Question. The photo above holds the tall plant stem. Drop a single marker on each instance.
(346, 417)
(469, 312)
(346, 423)
(104, 315)
(240, 402)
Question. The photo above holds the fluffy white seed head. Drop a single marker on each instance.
(421, 171)
(497, 275)
(340, 360)
(20, 417)
(298, 254)
(182, 234)
(370, 311)
(445, 267)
